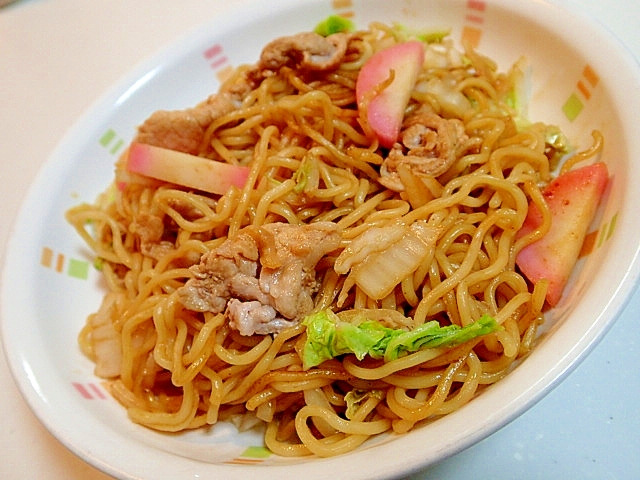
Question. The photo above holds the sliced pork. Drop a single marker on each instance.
(428, 145)
(264, 278)
(184, 130)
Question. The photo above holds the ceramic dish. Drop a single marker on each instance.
(581, 79)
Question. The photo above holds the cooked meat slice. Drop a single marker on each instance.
(273, 265)
(253, 317)
(289, 255)
(183, 130)
(428, 146)
(210, 288)
(307, 50)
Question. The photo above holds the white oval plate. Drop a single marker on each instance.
(49, 285)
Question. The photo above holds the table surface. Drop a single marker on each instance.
(56, 59)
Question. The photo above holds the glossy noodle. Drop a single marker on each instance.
(386, 240)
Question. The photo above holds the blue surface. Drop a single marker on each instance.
(588, 427)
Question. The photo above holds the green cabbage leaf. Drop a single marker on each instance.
(329, 337)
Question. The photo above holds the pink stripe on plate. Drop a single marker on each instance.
(89, 391)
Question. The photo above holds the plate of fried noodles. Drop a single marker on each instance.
(291, 244)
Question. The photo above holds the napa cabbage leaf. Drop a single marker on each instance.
(329, 337)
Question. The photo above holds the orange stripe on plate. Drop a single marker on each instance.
(591, 76)
(584, 90)
(337, 4)
(471, 35)
(588, 244)
(46, 259)
(59, 263)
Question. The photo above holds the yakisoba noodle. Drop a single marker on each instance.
(313, 158)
